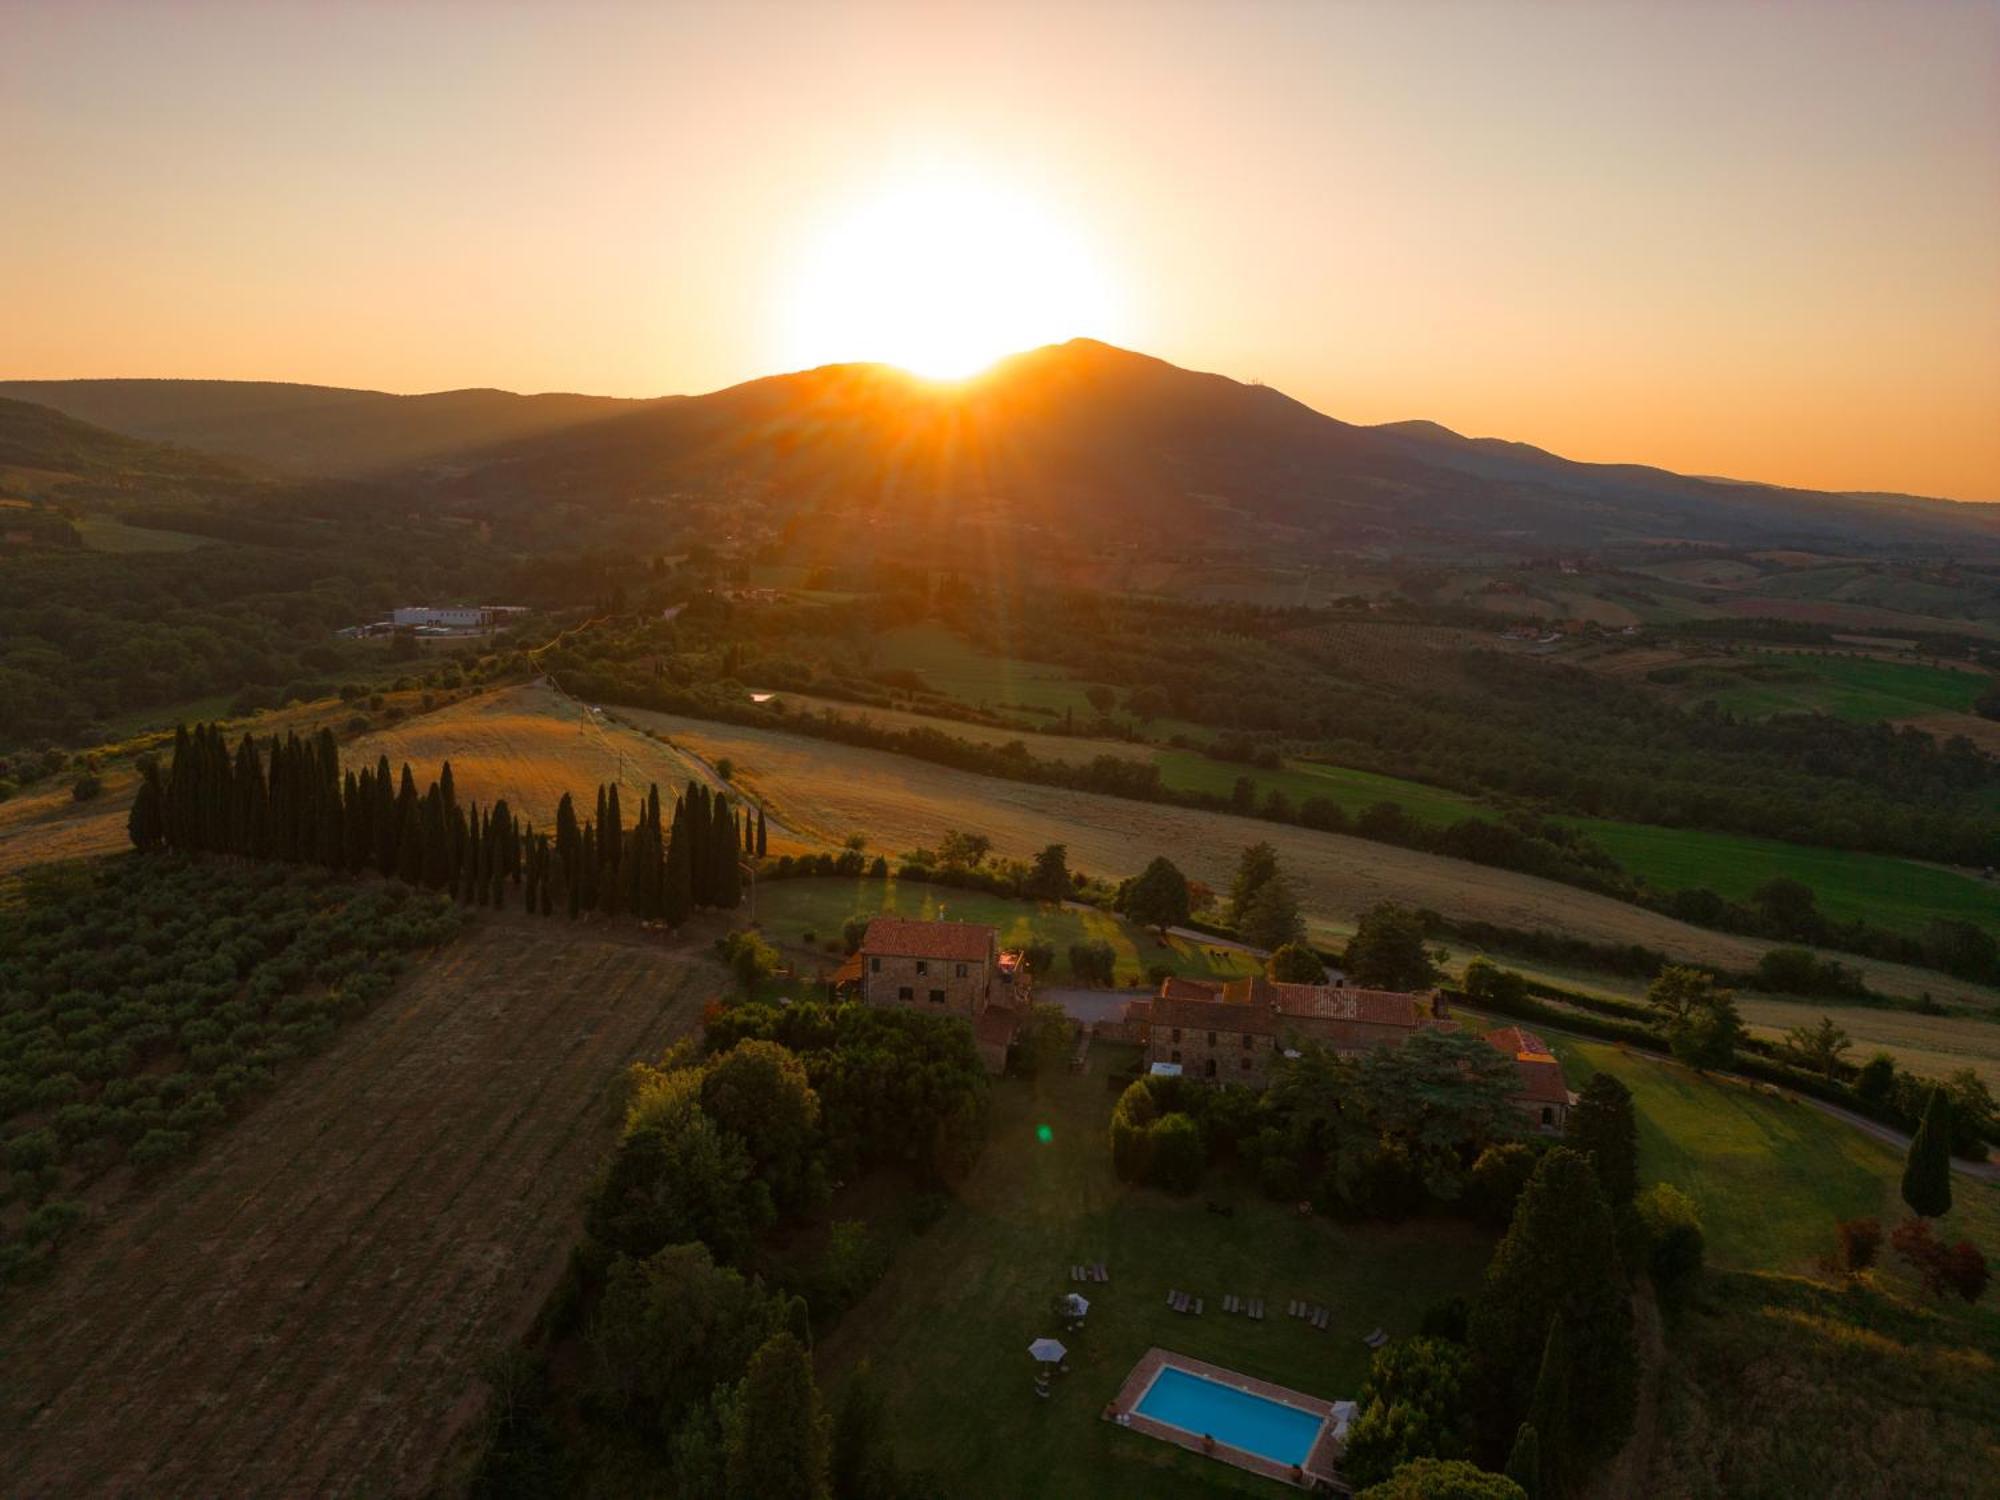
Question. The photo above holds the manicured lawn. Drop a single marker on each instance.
(1848, 687)
(1770, 1174)
(1879, 888)
(1352, 791)
(947, 1331)
(788, 909)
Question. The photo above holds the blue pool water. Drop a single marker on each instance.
(1270, 1429)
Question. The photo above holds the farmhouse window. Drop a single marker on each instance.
(874, 966)
(961, 971)
(1247, 1043)
(904, 992)
(1211, 1039)
(1548, 1115)
(1210, 1069)
(1246, 1064)
(923, 967)
(1177, 1033)
(937, 997)
(1177, 1054)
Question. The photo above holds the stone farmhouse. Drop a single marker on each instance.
(1232, 1033)
(1545, 1094)
(947, 968)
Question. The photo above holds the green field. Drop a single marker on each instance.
(1352, 791)
(102, 534)
(1848, 687)
(947, 1331)
(953, 666)
(788, 909)
(1876, 888)
(1770, 1174)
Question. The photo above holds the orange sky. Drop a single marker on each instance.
(1761, 241)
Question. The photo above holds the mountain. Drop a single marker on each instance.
(1101, 443)
(311, 429)
(1086, 442)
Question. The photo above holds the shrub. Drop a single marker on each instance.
(157, 1147)
(1498, 1175)
(1093, 963)
(1860, 1242)
(1674, 1244)
(86, 787)
(1178, 1156)
(1959, 1268)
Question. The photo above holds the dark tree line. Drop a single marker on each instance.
(290, 800)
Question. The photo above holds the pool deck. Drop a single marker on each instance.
(1319, 1469)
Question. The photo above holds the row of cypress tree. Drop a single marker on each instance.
(291, 800)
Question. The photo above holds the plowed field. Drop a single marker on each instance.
(305, 1310)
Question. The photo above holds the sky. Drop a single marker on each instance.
(1753, 240)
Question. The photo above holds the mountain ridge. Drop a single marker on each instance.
(1081, 436)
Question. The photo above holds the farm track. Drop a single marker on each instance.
(305, 1310)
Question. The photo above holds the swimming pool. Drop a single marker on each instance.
(1270, 1429)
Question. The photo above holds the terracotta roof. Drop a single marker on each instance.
(1215, 1015)
(897, 937)
(1176, 988)
(1376, 1007)
(848, 972)
(1542, 1078)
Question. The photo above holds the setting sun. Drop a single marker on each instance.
(941, 277)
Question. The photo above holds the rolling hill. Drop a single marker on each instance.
(311, 429)
(1082, 440)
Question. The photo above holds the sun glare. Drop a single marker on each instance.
(942, 277)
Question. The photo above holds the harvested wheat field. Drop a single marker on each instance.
(528, 744)
(1071, 749)
(305, 1310)
(829, 791)
(1933, 1046)
(49, 824)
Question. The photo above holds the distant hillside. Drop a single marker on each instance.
(43, 452)
(312, 429)
(1093, 441)
(1083, 441)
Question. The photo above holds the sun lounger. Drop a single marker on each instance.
(1376, 1339)
(1322, 1318)
(1103, 1271)
(1197, 1307)
(1229, 1302)
(1173, 1300)
(1293, 1308)
(1257, 1309)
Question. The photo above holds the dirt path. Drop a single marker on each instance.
(305, 1310)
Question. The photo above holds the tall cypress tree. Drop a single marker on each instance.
(409, 830)
(728, 886)
(1549, 1413)
(1560, 1256)
(677, 888)
(1927, 1169)
(385, 816)
(447, 787)
(357, 817)
(763, 846)
(1524, 1461)
(146, 823)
